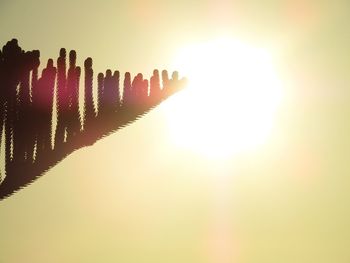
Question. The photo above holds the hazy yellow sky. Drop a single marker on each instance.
(137, 197)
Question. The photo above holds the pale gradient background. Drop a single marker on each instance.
(136, 197)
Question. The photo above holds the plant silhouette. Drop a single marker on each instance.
(31, 103)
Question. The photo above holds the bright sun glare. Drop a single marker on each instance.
(231, 100)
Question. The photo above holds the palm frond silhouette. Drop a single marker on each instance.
(30, 104)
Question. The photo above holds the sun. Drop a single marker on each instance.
(231, 101)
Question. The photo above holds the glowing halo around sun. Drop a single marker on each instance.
(231, 100)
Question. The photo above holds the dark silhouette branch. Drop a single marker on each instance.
(28, 101)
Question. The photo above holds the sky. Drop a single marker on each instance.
(136, 196)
